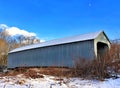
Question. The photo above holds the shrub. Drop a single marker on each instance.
(33, 74)
(101, 67)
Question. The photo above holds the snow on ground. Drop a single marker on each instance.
(53, 82)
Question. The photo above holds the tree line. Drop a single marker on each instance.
(8, 43)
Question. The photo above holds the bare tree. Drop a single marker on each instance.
(8, 43)
(3, 52)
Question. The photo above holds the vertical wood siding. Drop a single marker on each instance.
(58, 55)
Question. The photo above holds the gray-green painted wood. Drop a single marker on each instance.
(59, 55)
(103, 39)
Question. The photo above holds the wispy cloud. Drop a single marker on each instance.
(13, 31)
(16, 31)
(42, 40)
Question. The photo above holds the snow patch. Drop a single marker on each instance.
(50, 82)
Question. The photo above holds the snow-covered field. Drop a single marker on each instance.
(20, 81)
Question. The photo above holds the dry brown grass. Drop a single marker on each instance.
(37, 72)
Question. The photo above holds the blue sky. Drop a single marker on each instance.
(51, 19)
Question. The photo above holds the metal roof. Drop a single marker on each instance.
(71, 39)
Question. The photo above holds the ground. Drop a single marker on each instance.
(46, 81)
(51, 78)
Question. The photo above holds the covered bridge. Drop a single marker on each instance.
(60, 52)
